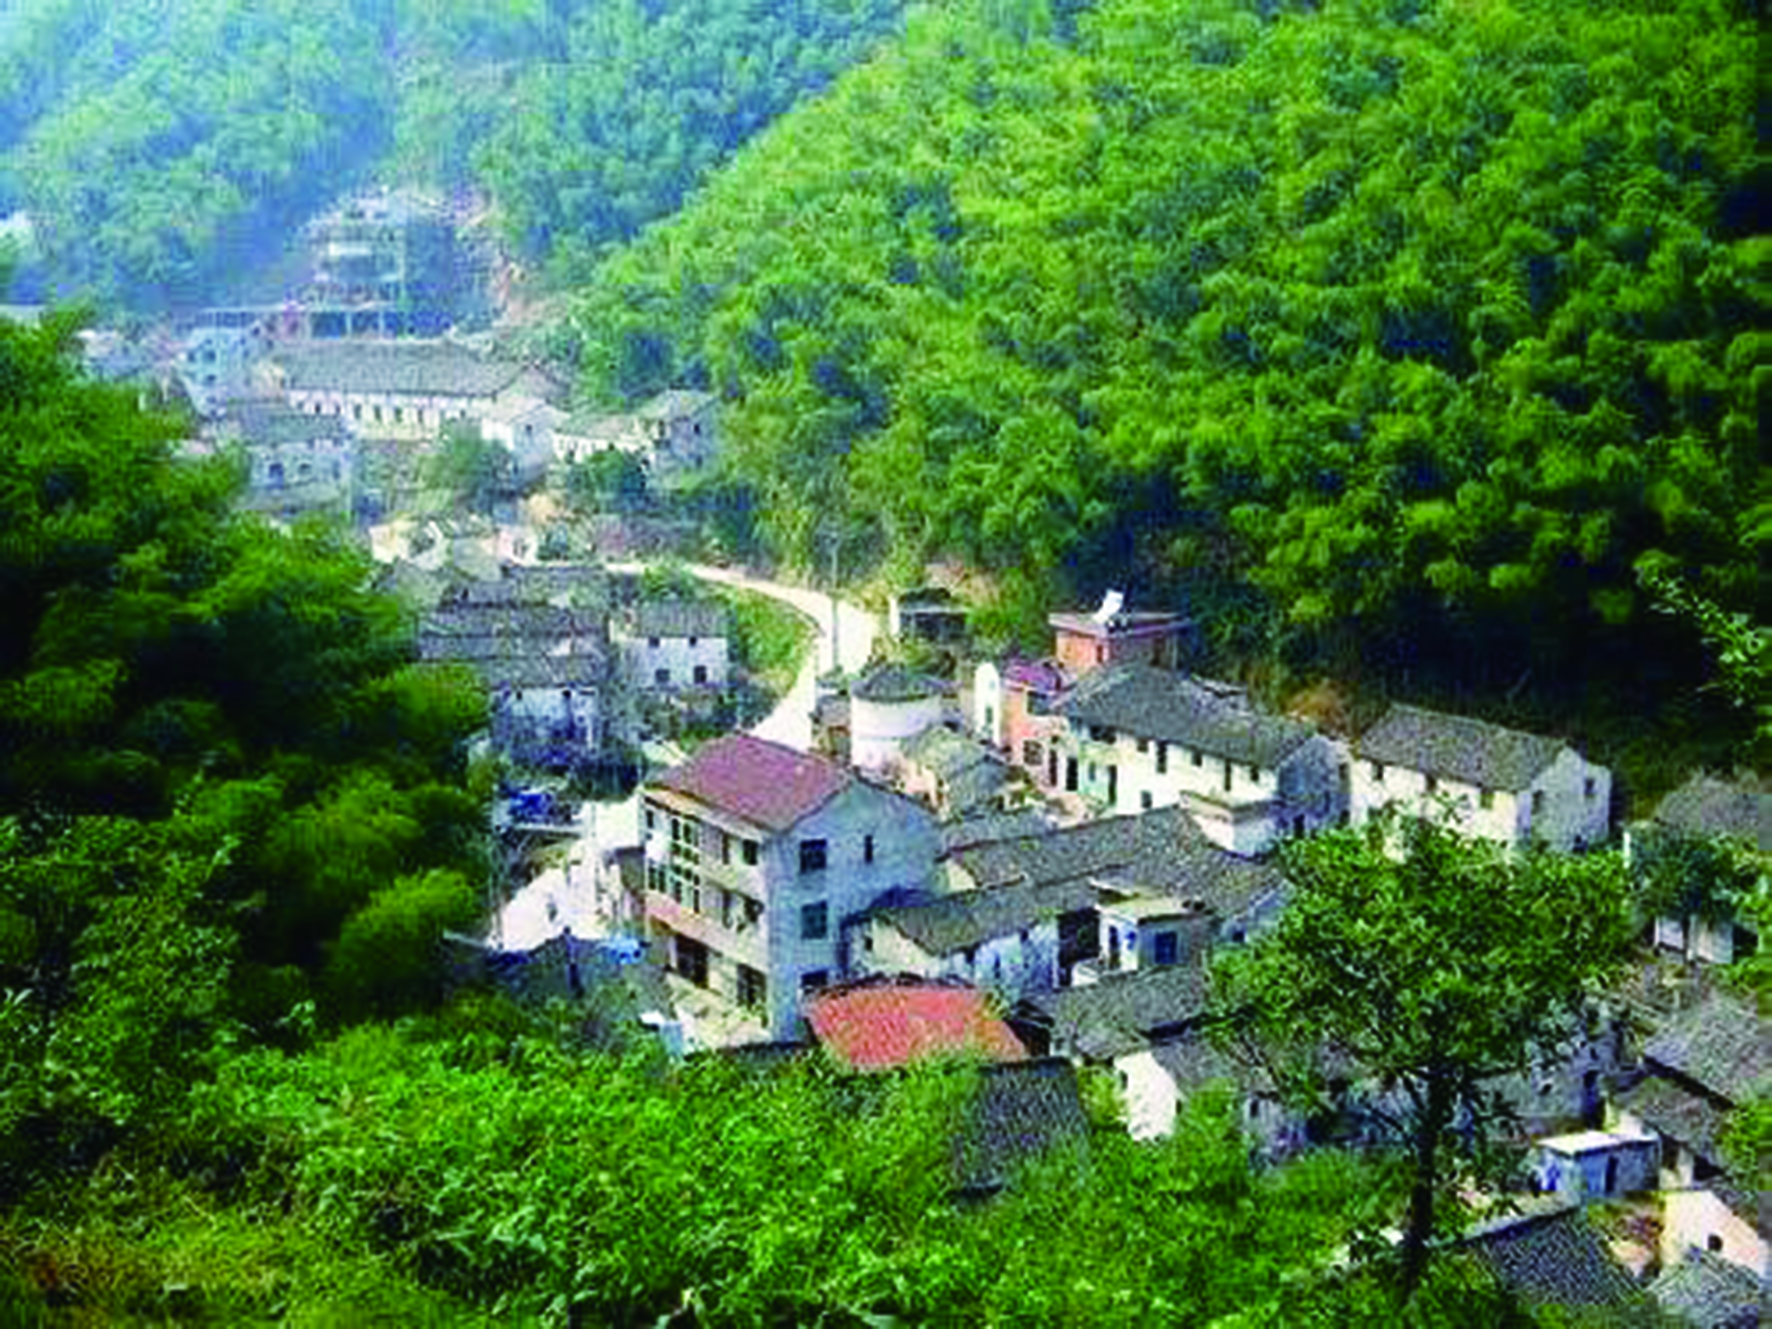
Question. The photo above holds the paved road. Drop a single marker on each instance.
(791, 720)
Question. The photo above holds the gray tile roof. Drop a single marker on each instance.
(977, 786)
(1123, 1013)
(968, 832)
(1160, 852)
(272, 423)
(681, 618)
(951, 923)
(1019, 1112)
(674, 403)
(1147, 702)
(1194, 1061)
(1705, 805)
(423, 368)
(946, 753)
(518, 645)
(1709, 1292)
(1721, 1043)
(1676, 1112)
(1457, 747)
(1556, 1259)
(894, 682)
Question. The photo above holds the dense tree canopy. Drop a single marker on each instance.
(1409, 331)
(219, 768)
(164, 151)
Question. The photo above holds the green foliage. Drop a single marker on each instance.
(769, 639)
(388, 960)
(608, 481)
(1402, 334)
(156, 148)
(1429, 964)
(473, 471)
(214, 750)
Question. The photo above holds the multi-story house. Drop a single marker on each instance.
(1138, 737)
(756, 856)
(1490, 782)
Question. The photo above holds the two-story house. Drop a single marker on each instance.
(1490, 782)
(757, 855)
(1115, 635)
(674, 645)
(1694, 821)
(1138, 738)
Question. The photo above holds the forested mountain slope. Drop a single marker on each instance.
(1409, 329)
(163, 147)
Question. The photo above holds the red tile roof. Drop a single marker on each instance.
(765, 783)
(879, 1026)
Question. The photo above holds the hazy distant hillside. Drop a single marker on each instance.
(1404, 330)
(164, 145)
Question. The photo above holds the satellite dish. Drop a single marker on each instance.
(1111, 604)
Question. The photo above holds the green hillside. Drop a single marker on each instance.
(165, 149)
(1400, 333)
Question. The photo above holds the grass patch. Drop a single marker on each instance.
(770, 640)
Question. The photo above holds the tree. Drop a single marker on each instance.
(473, 470)
(1433, 964)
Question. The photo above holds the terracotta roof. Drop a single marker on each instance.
(764, 783)
(1705, 805)
(1159, 704)
(879, 1025)
(1458, 747)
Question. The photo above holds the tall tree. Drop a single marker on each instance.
(1433, 964)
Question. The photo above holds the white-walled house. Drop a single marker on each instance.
(1720, 1218)
(1137, 737)
(405, 389)
(759, 858)
(1490, 782)
(677, 645)
(1704, 808)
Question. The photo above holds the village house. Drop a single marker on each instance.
(1721, 1219)
(295, 464)
(1009, 939)
(756, 858)
(1702, 1064)
(1113, 635)
(547, 670)
(1137, 738)
(676, 645)
(676, 431)
(524, 428)
(404, 390)
(932, 615)
(215, 367)
(953, 773)
(1703, 810)
(1497, 784)
(1013, 709)
(1595, 1165)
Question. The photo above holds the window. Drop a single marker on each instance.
(1485, 799)
(1162, 757)
(1144, 800)
(1143, 745)
(1101, 653)
(753, 988)
(815, 921)
(1714, 1244)
(1433, 785)
(1537, 802)
(1166, 949)
(652, 642)
(1227, 776)
(867, 849)
(750, 853)
(661, 676)
(725, 847)
(753, 913)
(726, 912)
(814, 980)
(1255, 775)
(813, 855)
(1032, 754)
(1377, 772)
(694, 642)
(1199, 758)
(1100, 733)
(1589, 787)
(701, 673)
